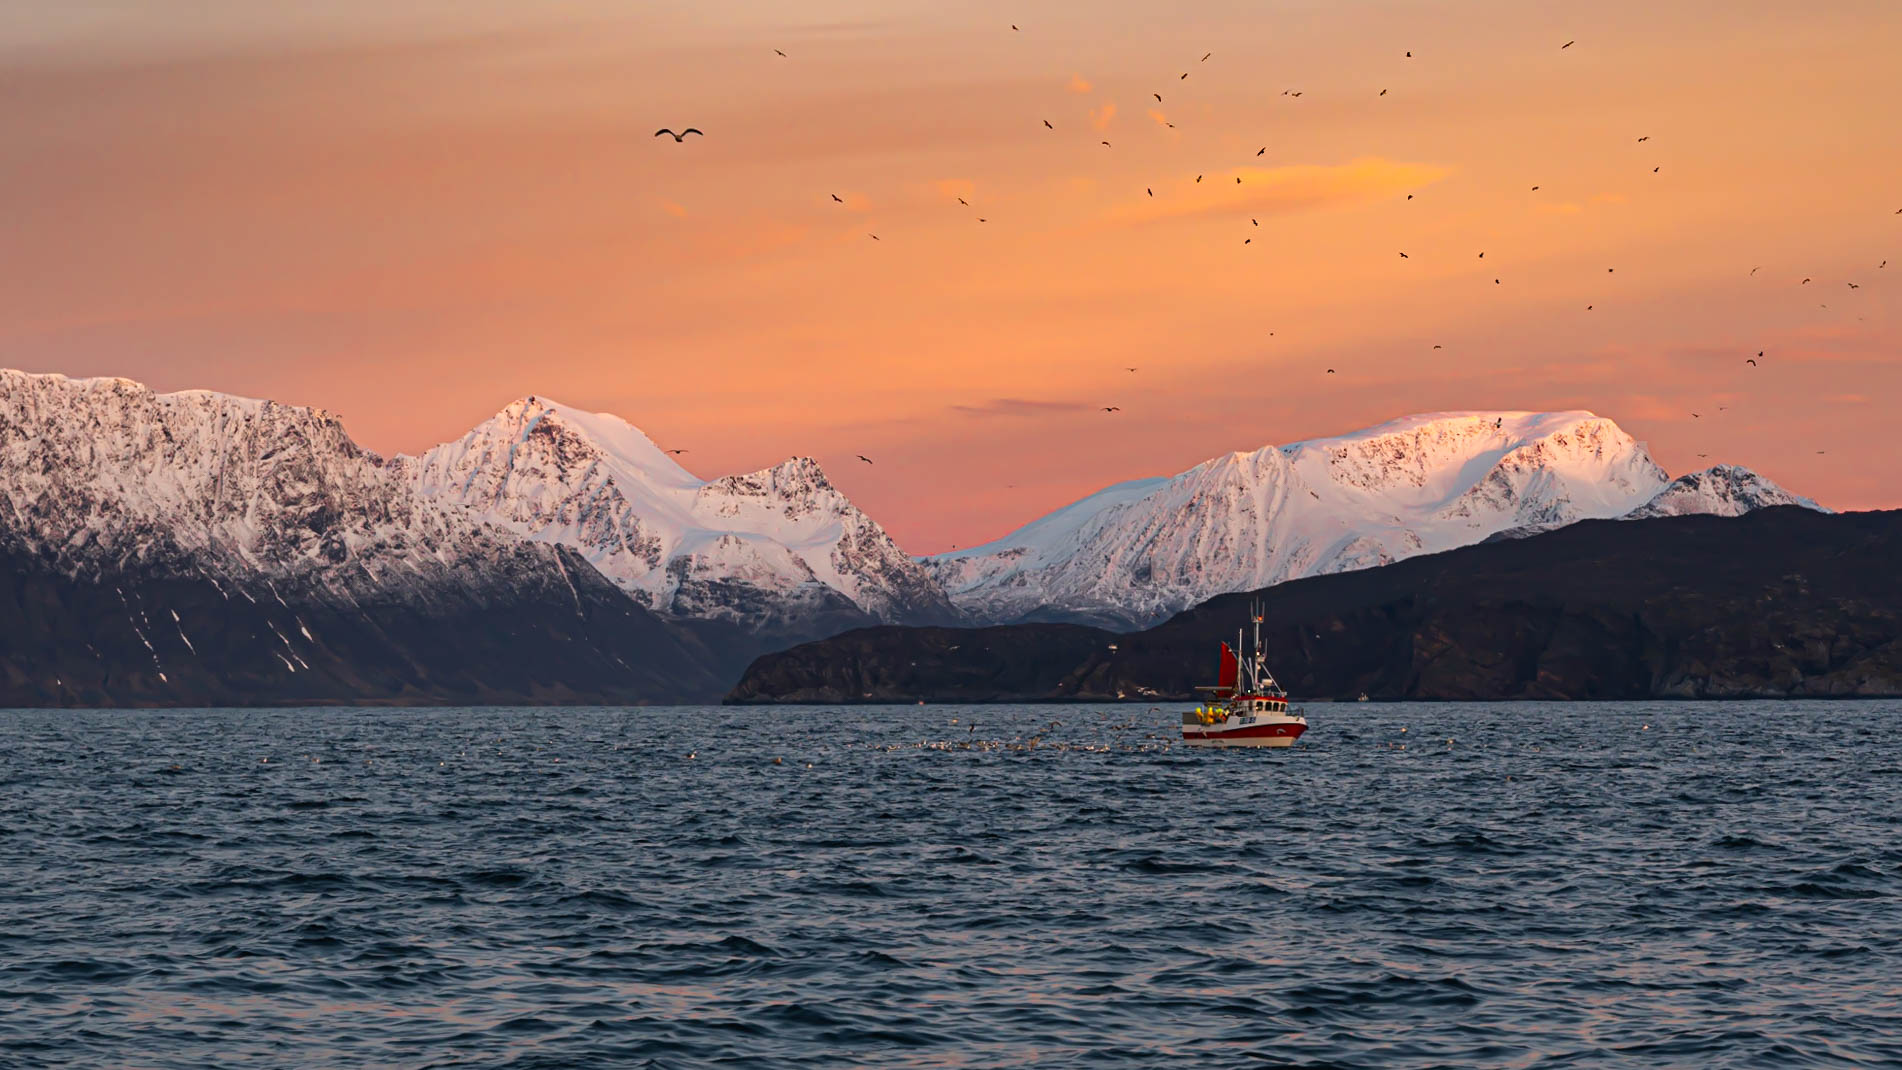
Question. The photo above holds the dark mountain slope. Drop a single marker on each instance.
(1781, 602)
(150, 635)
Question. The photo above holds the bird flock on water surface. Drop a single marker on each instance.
(1292, 94)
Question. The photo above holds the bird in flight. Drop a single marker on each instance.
(1644, 139)
(1805, 282)
(1330, 371)
(1185, 74)
(1111, 408)
(682, 136)
(1149, 191)
(1248, 241)
(1754, 270)
(1158, 97)
(874, 237)
(1750, 361)
(1014, 27)
(1383, 92)
(1404, 256)
(1206, 55)
(1655, 170)
(1697, 416)
(1047, 125)
(838, 198)
(1439, 347)
(676, 452)
(1567, 45)
(1106, 143)
(1853, 286)
(1588, 308)
(863, 457)
(1256, 222)
(1129, 369)
(1261, 150)
(1535, 189)
(777, 52)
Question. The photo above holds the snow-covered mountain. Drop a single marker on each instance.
(194, 548)
(107, 471)
(771, 549)
(1722, 490)
(1139, 551)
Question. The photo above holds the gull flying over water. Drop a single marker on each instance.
(682, 136)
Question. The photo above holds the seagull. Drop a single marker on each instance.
(1149, 191)
(1047, 125)
(964, 202)
(1111, 408)
(1535, 189)
(1256, 222)
(1805, 282)
(682, 136)
(1105, 143)
(1158, 97)
(838, 198)
(1185, 74)
(863, 457)
(1129, 369)
(1588, 308)
(1697, 416)
(1482, 256)
(1754, 270)
(1409, 55)
(1198, 178)
(676, 452)
(1383, 92)
(1261, 150)
(1248, 241)
(1205, 56)
(1853, 286)
(1404, 256)
(1750, 361)
(1439, 347)
(874, 237)
(777, 52)
(1655, 170)
(1567, 45)
(1645, 138)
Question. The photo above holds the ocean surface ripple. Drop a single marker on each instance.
(1684, 884)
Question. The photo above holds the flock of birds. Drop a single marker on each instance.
(681, 136)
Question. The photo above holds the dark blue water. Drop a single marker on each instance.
(1507, 885)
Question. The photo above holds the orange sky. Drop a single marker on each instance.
(412, 216)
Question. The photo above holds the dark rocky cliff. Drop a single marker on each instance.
(1782, 602)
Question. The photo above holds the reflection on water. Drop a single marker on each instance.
(1672, 884)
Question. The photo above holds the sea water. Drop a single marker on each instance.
(1682, 884)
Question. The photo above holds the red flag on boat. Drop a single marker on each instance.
(1231, 669)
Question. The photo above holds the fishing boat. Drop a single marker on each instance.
(1246, 707)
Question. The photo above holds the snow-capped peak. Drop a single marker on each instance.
(1143, 549)
(1721, 490)
(763, 549)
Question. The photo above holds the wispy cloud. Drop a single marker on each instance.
(953, 188)
(678, 211)
(1159, 118)
(1101, 117)
(1018, 407)
(1279, 190)
(1080, 84)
